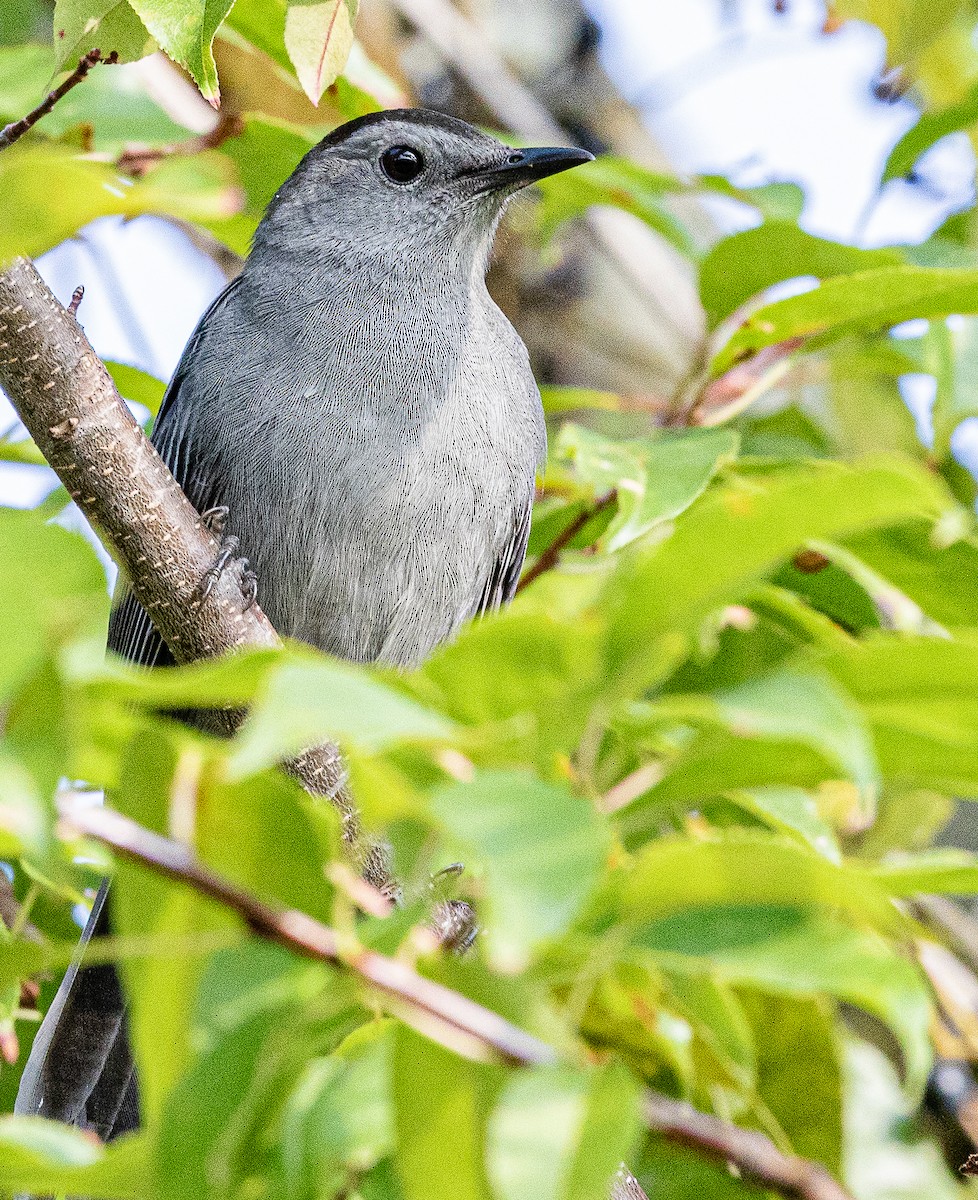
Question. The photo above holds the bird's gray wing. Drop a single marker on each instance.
(80, 1068)
(505, 574)
(131, 633)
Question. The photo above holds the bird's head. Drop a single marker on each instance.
(405, 182)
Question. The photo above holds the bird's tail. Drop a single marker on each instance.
(80, 1068)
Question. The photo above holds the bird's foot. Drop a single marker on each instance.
(453, 921)
(216, 521)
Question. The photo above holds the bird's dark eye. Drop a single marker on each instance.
(401, 164)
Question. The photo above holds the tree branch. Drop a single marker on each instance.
(16, 129)
(70, 406)
(551, 556)
(755, 1156)
(444, 1015)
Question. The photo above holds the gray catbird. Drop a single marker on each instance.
(368, 418)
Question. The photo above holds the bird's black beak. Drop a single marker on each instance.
(524, 167)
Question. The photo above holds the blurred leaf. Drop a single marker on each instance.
(42, 1156)
(62, 595)
(886, 1157)
(113, 101)
(867, 413)
(106, 25)
(571, 399)
(868, 300)
(745, 264)
(318, 37)
(656, 478)
(956, 398)
(929, 128)
(266, 154)
(918, 695)
(793, 811)
(441, 1104)
(676, 875)
(137, 386)
(339, 1118)
(791, 951)
(789, 1029)
(50, 194)
(561, 1134)
(791, 727)
(620, 183)
(735, 534)
(541, 846)
(304, 703)
(185, 30)
(801, 705)
(936, 577)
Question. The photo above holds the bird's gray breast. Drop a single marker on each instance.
(381, 480)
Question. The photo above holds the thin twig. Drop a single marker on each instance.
(551, 556)
(136, 161)
(454, 1020)
(755, 1156)
(16, 129)
(76, 298)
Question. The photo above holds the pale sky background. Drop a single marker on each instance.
(726, 87)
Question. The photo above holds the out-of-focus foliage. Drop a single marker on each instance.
(693, 772)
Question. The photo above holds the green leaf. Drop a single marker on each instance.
(137, 386)
(62, 597)
(106, 25)
(40, 1156)
(791, 951)
(675, 875)
(791, 727)
(441, 1103)
(736, 534)
(318, 38)
(185, 30)
(542, 849)
(865, 300)
(797, 704)
(304, 703)
(747, 263)
(793, 811)
(957, 385)
(621, 183)
(561, 1134)
(656, 478)
(918, 696)
(789, 1029)
(929, 128)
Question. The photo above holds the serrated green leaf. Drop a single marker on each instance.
(185, 31)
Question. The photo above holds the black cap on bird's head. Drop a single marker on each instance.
(409, 174)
